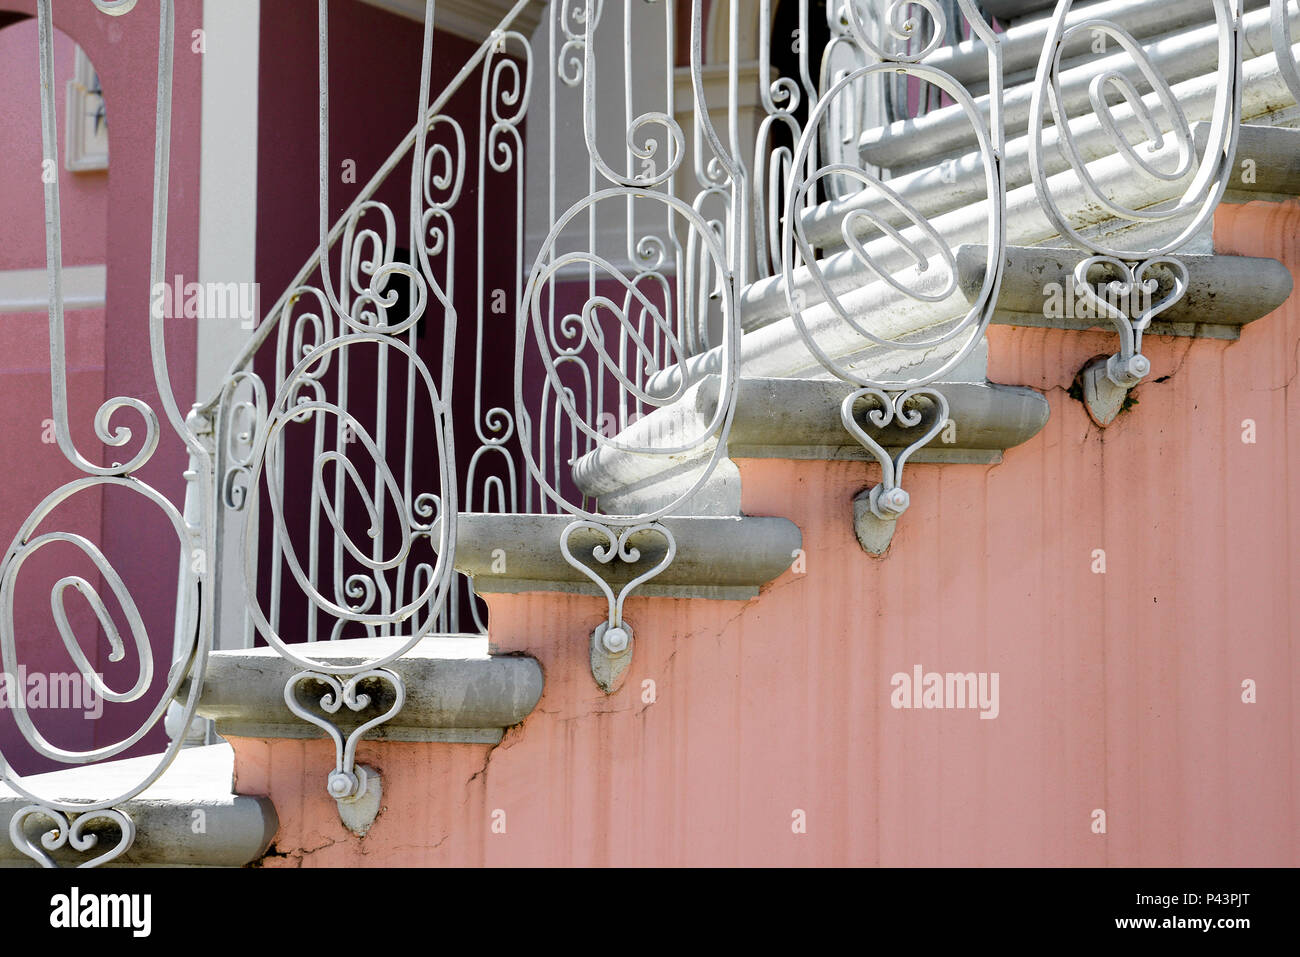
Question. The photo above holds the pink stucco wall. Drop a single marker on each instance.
(25, 431)
(107, 218)
(1119, 692)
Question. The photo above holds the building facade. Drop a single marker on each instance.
(812, 432)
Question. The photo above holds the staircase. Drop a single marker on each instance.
(957, 245)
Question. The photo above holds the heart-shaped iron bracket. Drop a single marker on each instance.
(1129, 305)
(355, 787)
(611, 641)
(70, 833)
(876, 511)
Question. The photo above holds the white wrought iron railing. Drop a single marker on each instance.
(346, 438)
(68, 821)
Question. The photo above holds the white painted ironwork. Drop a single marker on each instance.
(411, 530)
(913, 259)
(348, 782)
(63, 823)
(627, 322)
(327, 460)
(1156, 160)
(1282, 47)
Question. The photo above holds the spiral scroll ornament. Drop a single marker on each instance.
(133, 429)
(902, 256)
(607, 357)
(1168, 159)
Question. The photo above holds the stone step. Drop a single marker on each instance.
(456, 690)
(1186, 55)
(1268, 164)
(190, 817)
(1225, 292)
(723, 556)
(954, 177)
(1022, 42)
(793, 419)
(845, 275)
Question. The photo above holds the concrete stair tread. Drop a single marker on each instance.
(727, 556)
(794, 419)
(188, 817)
(456, 690)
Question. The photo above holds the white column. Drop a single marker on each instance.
(228, 228)
(228, 173)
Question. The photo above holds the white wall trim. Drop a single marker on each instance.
(227, 219)
(27, 290)
(227, 173)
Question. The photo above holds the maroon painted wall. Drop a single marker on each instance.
(374, 94)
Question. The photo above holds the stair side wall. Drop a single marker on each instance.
(769, 736)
